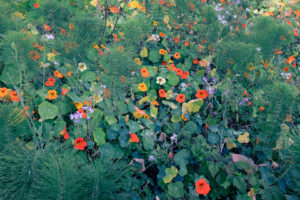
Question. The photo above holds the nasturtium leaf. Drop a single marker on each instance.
(213, 138)
(170, 174)
(173, 79)
(99, 136)
(175, 118)
(213, 168)
(47, 110)
(176, 189)
(148, 140)
(74, 97)
(240, 184)
(111, 120)
(88, 76)
(192, 106)
(123, 108)
(166, 19)
(167, 57)
(133, 126)
(171, 104)
(154, 56)
(153, 111)
(144, 99)
(111, 134)
(190, 127)
(144, 52)
(181, 159)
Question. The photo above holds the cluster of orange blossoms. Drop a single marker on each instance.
(8, 94)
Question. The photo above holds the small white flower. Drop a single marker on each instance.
(151, 158)
(160, 80)
(82, 67)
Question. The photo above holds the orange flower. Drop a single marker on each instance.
(261, 108)
(63, 31)
(162, 52)
(202, 187)
(71, 26)
(144, 72)
(202, 94)
(114, 9)
(14, 96)
(133, 138)
(142, 87)
(47, 28)
(161, 34)
(69, 73)
(177, 55)
(202, 63)
(286, 69)
(185, 75)
(58, 74)
(3, 92)
(107, 93)
(52, 94)
(162, 93)
(180, 98)
(36, 5)
(290, 59)
(186, 43)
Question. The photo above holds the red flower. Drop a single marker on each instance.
(162, 93)
(14, 96)
(179, 72)
(36, 5)
(202, 94)
(47, 28)
(195, 61)
(133, 138)
(180, 98)
(286, 69)
(80, 143)
(65, 133)
(170, 155)
(176, 40)
(202, 187)
(50, 81)
(185, 75)
(161, 34)
(186, 43)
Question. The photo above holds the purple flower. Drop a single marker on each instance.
(49, 36)
(235, 2)
(72, 116)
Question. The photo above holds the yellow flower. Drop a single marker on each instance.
(50, 56)
(244, 138)
(137, 61)
(96, 46)
(142, 87)
(78, 105)
(137, 114)
(155, 23)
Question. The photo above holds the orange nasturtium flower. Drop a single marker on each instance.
(290, 59)
(52, 94)
(161, 34)
(162, 93)
(144, 72)
(142, 87)
(3, 92)
(202, 94)
(47, 28)
(162, 52)
(177, 55)
(80, 144)
(64, 91)
(134, 138)
(202, 187)
(65, 133)
(14, 96)
(58, 74)
(261, 108)
(114, 9)
(180, 98)
(36, 5)
(186, 43)
(286, 69)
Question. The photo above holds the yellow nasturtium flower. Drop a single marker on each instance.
(244, 138)
(142, 87)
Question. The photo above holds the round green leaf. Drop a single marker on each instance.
(176, 189)
(47, 110)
